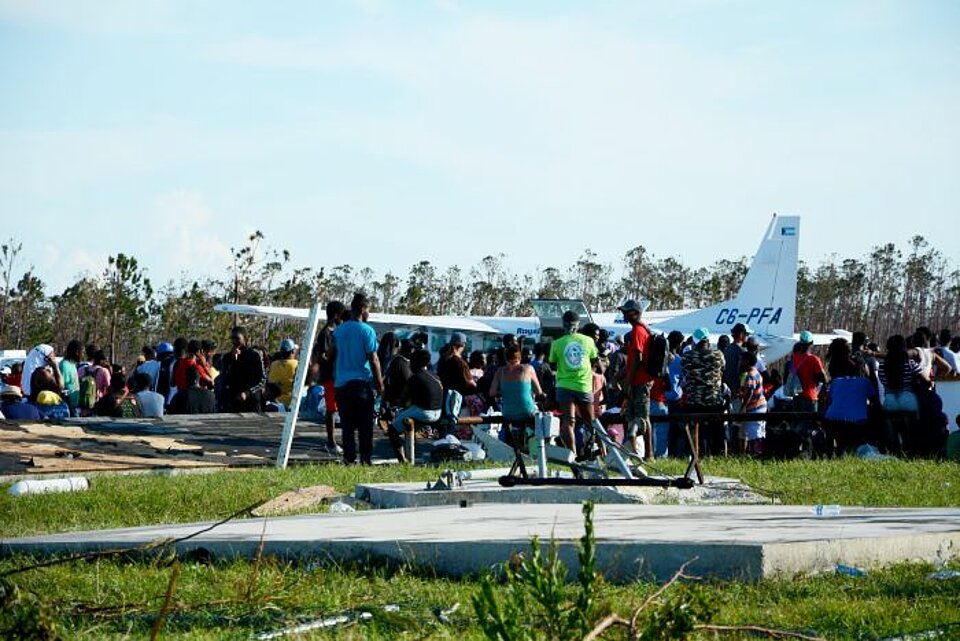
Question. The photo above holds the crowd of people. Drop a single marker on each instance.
(864, 394)
(860, 394)
(183, 377)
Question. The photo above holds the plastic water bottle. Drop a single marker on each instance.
(340, 507)
(826, 510)
(850, 570)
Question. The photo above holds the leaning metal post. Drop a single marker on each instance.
(290, 421)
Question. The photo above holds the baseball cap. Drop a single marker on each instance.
(806, 337)
(701, 334)
(740, 327)
(164, 348)
(287, 345)
(10, 390)
(6, 371)
(458, 338)
(631, 305)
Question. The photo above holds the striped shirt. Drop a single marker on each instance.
(751, 388)
(910, 371)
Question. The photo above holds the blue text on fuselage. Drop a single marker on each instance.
(759, 315)
(523, 331)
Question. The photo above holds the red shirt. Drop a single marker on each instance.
(658, 390)
(180, 372)
(807, 366)
(639, 341)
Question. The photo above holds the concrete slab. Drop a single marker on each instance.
(715, 491)
(633, 541)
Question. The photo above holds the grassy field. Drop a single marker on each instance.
(120, 597)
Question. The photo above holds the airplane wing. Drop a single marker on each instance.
(292, 313)
(826, 339)
(387, 321)
(451, 323)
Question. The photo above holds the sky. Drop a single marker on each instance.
(381, 133)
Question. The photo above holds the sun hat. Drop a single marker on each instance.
(10, 390)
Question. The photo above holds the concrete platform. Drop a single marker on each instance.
(649, 541)
(483, 488)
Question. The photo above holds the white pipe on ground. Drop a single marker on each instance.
(46, 486)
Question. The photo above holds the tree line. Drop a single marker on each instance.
(889, 290)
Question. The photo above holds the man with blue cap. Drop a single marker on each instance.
(809, 370)
(283, 370)
(702, 368)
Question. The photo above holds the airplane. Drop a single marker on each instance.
(765, 302)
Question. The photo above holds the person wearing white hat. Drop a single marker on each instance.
(12, 406)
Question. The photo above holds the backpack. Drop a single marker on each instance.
(88, 388)
(128, 407)
(793, 385)
(164, 376)
(657, 356)
(452, 402)
(449, 452)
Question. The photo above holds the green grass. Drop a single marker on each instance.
(120, 597)
(126, 501)
(844, 481)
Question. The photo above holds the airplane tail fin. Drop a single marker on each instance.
(767, 298)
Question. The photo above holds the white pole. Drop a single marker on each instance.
(306, 351)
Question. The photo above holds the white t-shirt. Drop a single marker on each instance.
(950, 357)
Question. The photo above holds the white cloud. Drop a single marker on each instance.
(188, 240)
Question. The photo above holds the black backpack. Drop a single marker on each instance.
(657, 356)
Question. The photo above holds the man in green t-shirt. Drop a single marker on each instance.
(573, 355)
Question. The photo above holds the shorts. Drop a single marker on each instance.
(330, 396)
(754, 430)
(565, 396)
(638, 409)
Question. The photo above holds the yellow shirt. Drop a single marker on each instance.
(282, 373)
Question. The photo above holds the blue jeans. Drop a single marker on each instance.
(355, 402)
(661, 431)
(903, 400)
(418, 414)
(678, 445)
